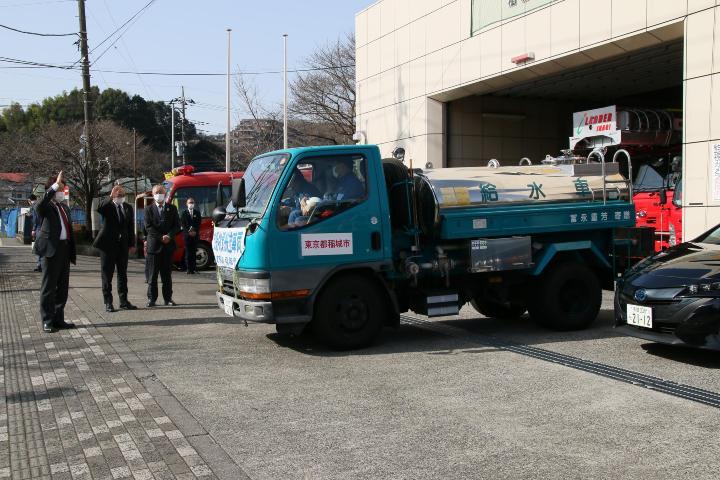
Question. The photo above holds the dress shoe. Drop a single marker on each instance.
(65, 326)
(170, 303)
(49, 328)
(109, 307)
(128, 306)
(37, 269)
(150, 304)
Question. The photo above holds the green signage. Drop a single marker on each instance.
(487, 12)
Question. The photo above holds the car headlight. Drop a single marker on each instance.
(673, 238)
(702, 290)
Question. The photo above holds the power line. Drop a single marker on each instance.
(35, 3)
(32, 64)
(39, 34)
(122, 26)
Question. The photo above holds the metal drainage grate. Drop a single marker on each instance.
(627, 376)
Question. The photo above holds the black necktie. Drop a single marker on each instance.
(120, 213)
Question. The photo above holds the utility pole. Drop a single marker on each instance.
(172, 135)
(134, 160)
(182, 125)
(87, 131)
(227, 127)
(285, 95)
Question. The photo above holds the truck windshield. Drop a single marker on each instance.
(261, 177)
(648, 179)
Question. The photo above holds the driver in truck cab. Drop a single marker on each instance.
(346, 187)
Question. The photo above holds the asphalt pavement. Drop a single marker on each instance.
(442, 398)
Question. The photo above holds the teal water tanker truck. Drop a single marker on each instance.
(346, 241)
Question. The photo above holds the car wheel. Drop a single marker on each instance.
(203, 256)
(349, 313)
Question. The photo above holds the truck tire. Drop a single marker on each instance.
(349, 313)
(567, 297)
(498, 310)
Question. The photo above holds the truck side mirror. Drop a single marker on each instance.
(238, 193)
(218, 215)
(663, 197)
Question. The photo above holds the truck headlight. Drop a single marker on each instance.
(219, 277)
(641, 214)
(252, 288)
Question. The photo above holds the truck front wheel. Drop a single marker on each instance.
(567, 297)
(349, 313)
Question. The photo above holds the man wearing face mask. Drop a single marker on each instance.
(162, 224)
(190, 221)
(115, 240)
(348, 186)
(55, 242)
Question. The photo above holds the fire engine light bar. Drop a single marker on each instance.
(525, 57)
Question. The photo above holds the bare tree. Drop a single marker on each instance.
(261, 130)
(57, 147)
(324, 97)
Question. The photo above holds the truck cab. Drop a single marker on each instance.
(340, 238)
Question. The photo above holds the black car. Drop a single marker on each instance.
(673, 297)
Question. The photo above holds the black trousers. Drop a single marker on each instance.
(160, 263)
(54, 286)
(111, 260)
(190, 250)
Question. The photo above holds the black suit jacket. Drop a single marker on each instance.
(187, 222)
(113, 233)
(47, 239)
(158, 225)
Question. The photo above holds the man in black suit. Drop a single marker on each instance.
(115, 240)
(56, 244)
(190, 222)
(162, 224)
(36, 224)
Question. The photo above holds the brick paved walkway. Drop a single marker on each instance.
(71, 406)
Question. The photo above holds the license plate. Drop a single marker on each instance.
(228, 305)
(639, 316)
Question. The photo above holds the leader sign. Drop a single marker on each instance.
(228, 246)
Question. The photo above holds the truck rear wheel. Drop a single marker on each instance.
(567, 297)
(498, 310)
(349, 313)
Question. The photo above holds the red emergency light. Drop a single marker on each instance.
(184, 170)
(525, 57)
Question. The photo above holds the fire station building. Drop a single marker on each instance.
(464, 82)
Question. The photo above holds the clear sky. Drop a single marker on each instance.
(170, 36)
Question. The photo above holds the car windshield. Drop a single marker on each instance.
(712, 237)
(260, 178)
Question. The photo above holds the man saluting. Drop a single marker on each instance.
(162, 224)
(55, 243)
(115, 240)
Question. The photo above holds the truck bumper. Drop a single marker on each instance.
(254, 311)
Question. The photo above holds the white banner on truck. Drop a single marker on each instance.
(228, 246)
(313, 244)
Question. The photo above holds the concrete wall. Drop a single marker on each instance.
(414, 55)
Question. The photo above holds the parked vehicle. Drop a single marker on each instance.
(673, 297)
(183, 183)
(648, 144)
(380, 239)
